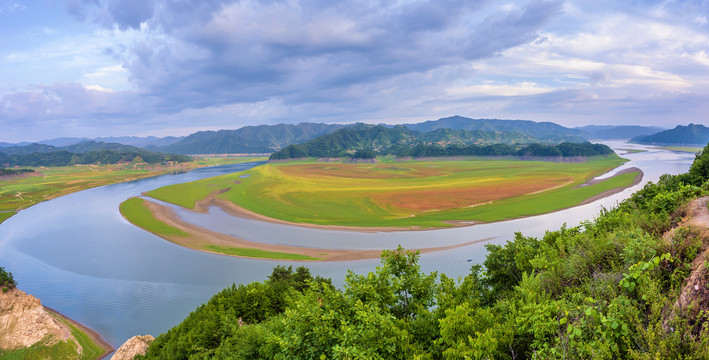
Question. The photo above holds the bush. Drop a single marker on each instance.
(6, 280)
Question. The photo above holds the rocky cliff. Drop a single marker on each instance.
(24, 322)
(137, 345)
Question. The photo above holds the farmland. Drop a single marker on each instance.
(402, 194)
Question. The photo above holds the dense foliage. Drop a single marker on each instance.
(66, 158)
(6, 280)
(400, 141)
(611, 288)
(692, 134)
(5, 172)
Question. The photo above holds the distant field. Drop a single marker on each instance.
(17, 193)
(408, 194)
(689, 149)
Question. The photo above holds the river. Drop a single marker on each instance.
(79, 256)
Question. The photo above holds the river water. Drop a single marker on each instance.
(79, 256)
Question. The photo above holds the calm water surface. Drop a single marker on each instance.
(80, 257)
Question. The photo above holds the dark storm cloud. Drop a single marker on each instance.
(202, 53)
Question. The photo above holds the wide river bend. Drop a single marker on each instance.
(79, 256)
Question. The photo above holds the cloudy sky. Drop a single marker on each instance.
(171, 67)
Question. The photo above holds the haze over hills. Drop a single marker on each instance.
(542, 131)
(692, 134)
(622, 132)
(248, 139)
(271, 138)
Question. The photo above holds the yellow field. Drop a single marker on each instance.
(403, 194)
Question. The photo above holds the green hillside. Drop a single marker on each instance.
(248, 139)
(367, 141)
(692, 134)
(541, 131)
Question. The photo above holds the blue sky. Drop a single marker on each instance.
(156, 67)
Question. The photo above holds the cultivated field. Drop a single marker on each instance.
(407, 194)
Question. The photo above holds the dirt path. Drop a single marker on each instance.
(695, 291)
(200, 238)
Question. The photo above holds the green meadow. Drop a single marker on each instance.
(138, 214)
(425, 194)
(256, 253)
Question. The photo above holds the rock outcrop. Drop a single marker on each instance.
(137, 345)
(24, 322)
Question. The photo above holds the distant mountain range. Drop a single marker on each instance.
(271, 138)
(88, 152)
(611, 132)
(248, 139)
(364, 141)
(541, 131)
(692, 134)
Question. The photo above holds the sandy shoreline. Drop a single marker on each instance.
(200, 237)
(93, 335)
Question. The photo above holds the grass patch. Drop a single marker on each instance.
(6, 215)
(689, 149)
(633, 151)
(138, 214)
(256, 253)
(403, 193)
(60, 350)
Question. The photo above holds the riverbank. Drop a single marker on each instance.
(19, 192)
(206, 240)
(30, 330)
(92, 335)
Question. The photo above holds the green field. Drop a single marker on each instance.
(408, 194)
(255, 253)
(136, 212)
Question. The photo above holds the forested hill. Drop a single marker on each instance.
(271, 138)
(547, 132)
(692, 134)
(248, 139)
(368, 141)
(631, 283)
(89, 152)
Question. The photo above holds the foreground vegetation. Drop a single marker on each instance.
(403, 193)
(32, 187)
(607, 289)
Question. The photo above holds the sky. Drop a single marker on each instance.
(91, 68)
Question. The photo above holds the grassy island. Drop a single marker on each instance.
(402, 194)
